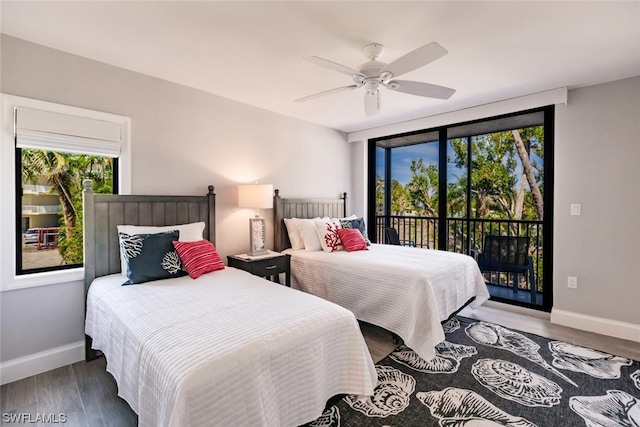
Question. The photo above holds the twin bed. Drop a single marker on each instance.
(229, 348)
(407, 291)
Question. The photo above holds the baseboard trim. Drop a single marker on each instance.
(516, 309)
(599, 325)
(37, 363)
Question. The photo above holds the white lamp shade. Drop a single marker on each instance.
(255, 196)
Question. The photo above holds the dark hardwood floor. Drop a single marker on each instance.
(87, 394)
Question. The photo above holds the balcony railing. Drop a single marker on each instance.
(40, 209)
(466, 236)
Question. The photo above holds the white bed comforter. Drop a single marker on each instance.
(227, 349)
(405, 290)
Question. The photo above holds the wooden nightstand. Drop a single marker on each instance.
(269, 266)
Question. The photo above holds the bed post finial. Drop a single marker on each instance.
(344, 204)
(278, 221)
(87, 184)
(210, 229)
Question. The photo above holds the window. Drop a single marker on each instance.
(49, 198)
(53, 148)
(447, 188)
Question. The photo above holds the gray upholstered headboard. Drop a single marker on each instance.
(103, 212)
(303, 208)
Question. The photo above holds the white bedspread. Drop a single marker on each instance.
(405, 290)
(227, 349)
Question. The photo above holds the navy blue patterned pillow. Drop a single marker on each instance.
(150, 256)
(356, 223)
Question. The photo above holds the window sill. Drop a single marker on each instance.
(43, 279)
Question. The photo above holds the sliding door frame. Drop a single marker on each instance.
(547, 221)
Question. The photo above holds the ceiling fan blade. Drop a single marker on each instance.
(334, 66)
(421, 89)
(372, 103)
(415, 59)
(327, 92)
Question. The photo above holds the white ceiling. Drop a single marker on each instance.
(253, 52)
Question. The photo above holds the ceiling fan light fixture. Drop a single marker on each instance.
(372, 103)
(373, 73)
(371, 85)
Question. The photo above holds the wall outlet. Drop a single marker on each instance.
(572, 282)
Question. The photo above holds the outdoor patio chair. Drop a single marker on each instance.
(391, 236)
(508, 254)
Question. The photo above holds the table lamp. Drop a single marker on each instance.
(256, 196)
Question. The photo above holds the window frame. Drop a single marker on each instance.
(9, 164)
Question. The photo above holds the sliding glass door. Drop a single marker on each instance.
(450, 187)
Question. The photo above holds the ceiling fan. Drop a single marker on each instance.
(373, 74)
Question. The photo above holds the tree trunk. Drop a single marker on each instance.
(517, 211)
(528, 171)
(66, 202)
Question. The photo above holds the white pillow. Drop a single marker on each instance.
(188, 233)
(294, 233)
(327, 230)
(309, 235)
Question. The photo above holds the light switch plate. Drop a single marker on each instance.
(575, 209)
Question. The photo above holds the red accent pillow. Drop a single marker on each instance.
(198, 257)
(352, 239)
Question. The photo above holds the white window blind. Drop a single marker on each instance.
(46, 130)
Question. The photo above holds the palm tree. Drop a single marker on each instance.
(55, 168)
(65, 172)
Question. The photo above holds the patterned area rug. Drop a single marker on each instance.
(488, 375)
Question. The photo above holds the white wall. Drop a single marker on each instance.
(182, 140)
(597, 151)
(358, 198)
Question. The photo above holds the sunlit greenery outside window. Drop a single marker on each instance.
(491, 170)
(507, 174)
(50, 206)
(449, 187)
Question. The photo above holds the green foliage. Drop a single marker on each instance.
(379, 195)
(71, 247)
(399, 198)
(496, 173)
(499, 190)
(100, 171)
(457, 197)
(66, 172)
(422, 188)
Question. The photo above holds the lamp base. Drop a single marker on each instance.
(257, 253)
(257, 244)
